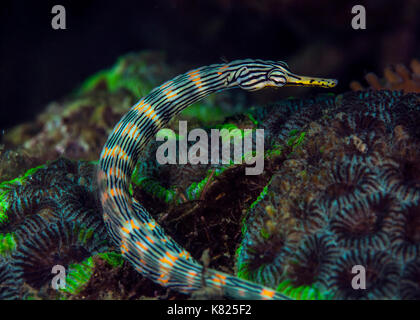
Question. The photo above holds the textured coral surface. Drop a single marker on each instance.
(341, 187)
(347, 195)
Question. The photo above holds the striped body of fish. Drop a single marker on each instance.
(142, 241)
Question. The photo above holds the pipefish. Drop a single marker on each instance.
(141, 240)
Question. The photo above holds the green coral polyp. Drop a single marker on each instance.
(78, 276)
(196, 188)
(7, 243)
(7, 185)
(295, 140)
(85, 235)
(112, 258)
(154, 188)
(193, 191)
(303, 292)
(233, 131)
(5, 188)
(4, 207)
(115, 80)
(264, 233)
(243, 270)
(286, 287)
(293, 132)
(252, 118)
(251, 207)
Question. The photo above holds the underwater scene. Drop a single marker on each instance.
(177, 150)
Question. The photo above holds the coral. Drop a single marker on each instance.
(366, 223)
(311, 214)
(14, 163)
(7, 243)
(382, 275)
(62, 191)
(340, 187)
(364, 132)
(58, 244)
(395, 78)
(403, 177)
(50, 216)
(313, 260)
(6, 187)
(406, 232)
(268, 240)
(346, 187)
(303, 292)
(78, 274)
(112, 258)
(136, 73)
(383, 105)
(350, 180)
(100, 101)
(410, 282)
(284, 119)
(9, 281)
(175, 184)
(263, 261)
(341, 178)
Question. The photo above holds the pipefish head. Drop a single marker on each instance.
(260, 74)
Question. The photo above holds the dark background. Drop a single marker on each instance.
(39, 64)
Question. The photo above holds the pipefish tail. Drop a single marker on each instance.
(141, 240)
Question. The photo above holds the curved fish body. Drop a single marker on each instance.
(141, 240)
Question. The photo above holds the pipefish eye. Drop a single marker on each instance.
(277, 76)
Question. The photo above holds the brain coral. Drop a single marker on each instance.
(341, 187)
(51, 218)
(347, 195)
